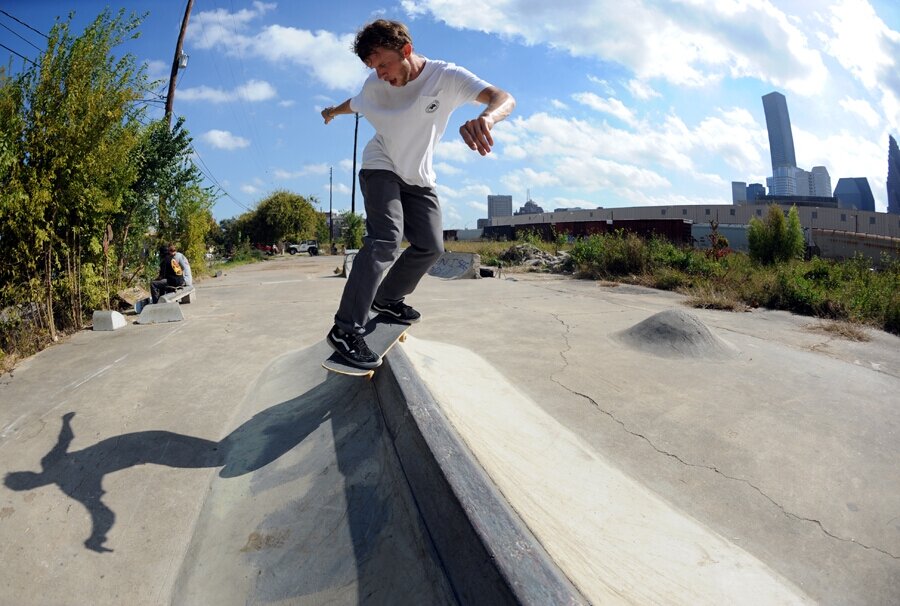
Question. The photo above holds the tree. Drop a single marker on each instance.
(353, 230)
(163, 170)
(284, 215)
(776, 240)
(74, 127)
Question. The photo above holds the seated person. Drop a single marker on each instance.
(170, 273)
(183, 262)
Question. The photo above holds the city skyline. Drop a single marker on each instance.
(663, 108)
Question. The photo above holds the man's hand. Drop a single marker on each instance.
(477, 134)
(328, 114)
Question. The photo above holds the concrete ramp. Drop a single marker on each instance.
(311, 506)
(618, 542)
(456, 266)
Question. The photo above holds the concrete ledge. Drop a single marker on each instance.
(489, 555)
(158, 313)
(185, 294)
(105, 319)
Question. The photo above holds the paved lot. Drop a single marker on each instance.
(782, 453)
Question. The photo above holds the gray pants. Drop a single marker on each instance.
(394, 209)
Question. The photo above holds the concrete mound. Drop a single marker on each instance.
(675, 333)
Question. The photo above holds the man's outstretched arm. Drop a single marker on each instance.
(477, 133)
(335, 110)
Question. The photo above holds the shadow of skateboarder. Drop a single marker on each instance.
(259, 441)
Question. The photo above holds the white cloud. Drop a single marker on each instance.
(641, 90)
(557, 104)
(309, 169)
(157, 70)
(688, 42)
(286, 103)
(611, 106)
(453, 150)
(864, 45)
(324, 55)
(223, 139)
(249, 189)
(603, 84)
(863, 109)
(479, 206)
(443, 168)
(252, 90)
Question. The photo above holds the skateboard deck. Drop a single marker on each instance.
(381, 335)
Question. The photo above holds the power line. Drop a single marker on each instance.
(19, 55)
(25, 24)
(209, 175)
(20, 36)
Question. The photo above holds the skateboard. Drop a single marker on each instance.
(381, 335)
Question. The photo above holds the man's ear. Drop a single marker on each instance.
(407, 50)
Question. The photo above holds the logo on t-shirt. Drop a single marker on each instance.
(432, 107)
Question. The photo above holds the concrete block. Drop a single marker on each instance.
(105, 319)
(159, 313)
(455, 266)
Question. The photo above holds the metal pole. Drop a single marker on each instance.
(170, 96)
(330, 215)
(353, 178)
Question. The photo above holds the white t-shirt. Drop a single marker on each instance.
(410, 120)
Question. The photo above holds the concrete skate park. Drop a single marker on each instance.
(537, 439)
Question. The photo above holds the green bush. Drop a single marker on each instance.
(610, 255)
(776, 239)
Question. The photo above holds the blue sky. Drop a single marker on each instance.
(620, 103)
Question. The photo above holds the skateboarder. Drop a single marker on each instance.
(408, 99)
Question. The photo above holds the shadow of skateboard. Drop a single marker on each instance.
(381, 335)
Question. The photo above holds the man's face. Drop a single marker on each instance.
(391, 66)
(172, 250)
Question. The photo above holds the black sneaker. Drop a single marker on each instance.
(353, 348)
(398, 311)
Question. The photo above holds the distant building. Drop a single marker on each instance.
(738, 192)
(820, 182)
(482, 223)
(893, 177)
(530, 208)
(854, 193)
(812, 201)
(778, 125)
(500, 206)
(756, 190)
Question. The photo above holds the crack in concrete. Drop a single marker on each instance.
(696, 465)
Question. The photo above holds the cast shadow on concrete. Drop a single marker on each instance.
(259, 441)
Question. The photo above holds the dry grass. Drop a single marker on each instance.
(844, 330)
(706, 296)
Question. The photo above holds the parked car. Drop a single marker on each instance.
(310, 246)
(266, 248)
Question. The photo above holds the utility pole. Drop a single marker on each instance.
(176, 62)
(330, 212)
(353, 178)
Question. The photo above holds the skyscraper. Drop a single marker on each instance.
(778, 123)
(854, 193)
(820, 182)
(738, 192)
(893, 178)
(499, 206)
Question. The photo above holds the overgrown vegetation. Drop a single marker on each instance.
(88, 185)
(848, 290)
